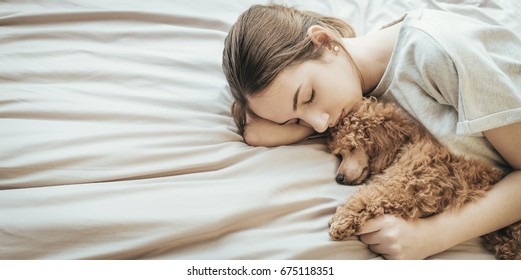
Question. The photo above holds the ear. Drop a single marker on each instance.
(319, 35)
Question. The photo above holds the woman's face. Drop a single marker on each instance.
(316, 93)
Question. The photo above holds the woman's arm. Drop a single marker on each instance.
(395, 238)
(261, 132)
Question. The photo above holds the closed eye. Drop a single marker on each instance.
(292, 121)
(309, 101)
(311, 98)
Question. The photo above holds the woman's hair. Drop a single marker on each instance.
(264, 41)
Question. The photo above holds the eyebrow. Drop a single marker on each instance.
(295, 98)
(295, 103)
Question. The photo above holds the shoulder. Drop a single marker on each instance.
(422, 47)
(435, 29)
(426, 34)
(438, 23)
(458, 34)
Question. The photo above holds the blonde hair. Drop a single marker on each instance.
(265, 40)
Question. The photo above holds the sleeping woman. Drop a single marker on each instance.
(293, 74)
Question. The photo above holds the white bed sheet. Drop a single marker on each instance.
(116, 140)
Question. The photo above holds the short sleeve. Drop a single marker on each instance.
(487, 60)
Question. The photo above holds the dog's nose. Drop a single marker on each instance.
(340, 179)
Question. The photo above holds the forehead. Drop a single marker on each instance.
(275, 103)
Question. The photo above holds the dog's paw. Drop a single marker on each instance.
(341, 227)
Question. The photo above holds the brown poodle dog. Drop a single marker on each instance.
(407, 173)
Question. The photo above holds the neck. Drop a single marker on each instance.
(371, 54)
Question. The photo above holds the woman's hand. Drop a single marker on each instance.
(261, 132)
(394, 238)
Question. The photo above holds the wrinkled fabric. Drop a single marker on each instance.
(116, 139)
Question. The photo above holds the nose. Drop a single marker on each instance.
(340, 179)
(319, 121)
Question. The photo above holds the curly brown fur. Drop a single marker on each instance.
(406, 173)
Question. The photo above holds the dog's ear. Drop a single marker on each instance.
(391, 129)
(341, 137)
(352, 131)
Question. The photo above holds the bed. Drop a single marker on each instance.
(116, 139)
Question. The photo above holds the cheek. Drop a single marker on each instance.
(337, 95)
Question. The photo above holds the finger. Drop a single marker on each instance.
(381, 250)
(370, 238)
(376, 248)
(371, 225)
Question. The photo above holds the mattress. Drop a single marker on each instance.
(116, 139)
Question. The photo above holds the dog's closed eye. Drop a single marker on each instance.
(346, 152)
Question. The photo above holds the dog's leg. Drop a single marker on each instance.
(349, 217)
(369, 201)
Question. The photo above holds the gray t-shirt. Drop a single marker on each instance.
(458, 77)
